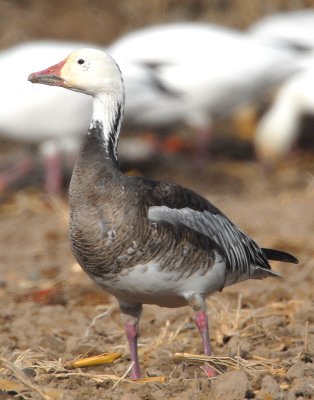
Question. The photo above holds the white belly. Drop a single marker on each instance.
(150, 284)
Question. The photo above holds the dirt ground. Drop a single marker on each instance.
(262, 332)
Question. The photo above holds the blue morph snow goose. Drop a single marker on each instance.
(144, 241)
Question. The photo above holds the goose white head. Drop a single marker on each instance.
(92, 72)
(85, 70)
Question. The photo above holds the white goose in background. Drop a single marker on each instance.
(194, 72)
(185, 72)
(278, 129)
(26, 111)
(293, 28)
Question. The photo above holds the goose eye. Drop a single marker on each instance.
(80, 61)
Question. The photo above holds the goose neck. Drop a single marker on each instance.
(106, 122)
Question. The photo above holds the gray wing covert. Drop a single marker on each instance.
(238, 249)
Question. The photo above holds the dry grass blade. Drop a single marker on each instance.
(151, 379)
(244, 323)
(9, 385)
(306, 338)
(114, 378)
(108, 311)
(105, 358)
(53, 395)
(123, 376)
(220, 364)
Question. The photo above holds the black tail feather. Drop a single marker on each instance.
(278, 255)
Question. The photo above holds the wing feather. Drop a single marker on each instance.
(239, 250)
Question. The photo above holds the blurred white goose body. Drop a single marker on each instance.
(185, 72)
(294, 29)
(25, 112)
(52, 119)
(192, 72)
(278, 129)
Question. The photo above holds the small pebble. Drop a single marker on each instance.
(299, 370)
(231, 386)
(303, 390)
(29, 372)
(269, 389)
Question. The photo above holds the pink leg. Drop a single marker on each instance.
(131, 331)
(201, 321)
(53, 173)
(203, 140)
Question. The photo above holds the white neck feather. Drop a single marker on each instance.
(108, 112)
